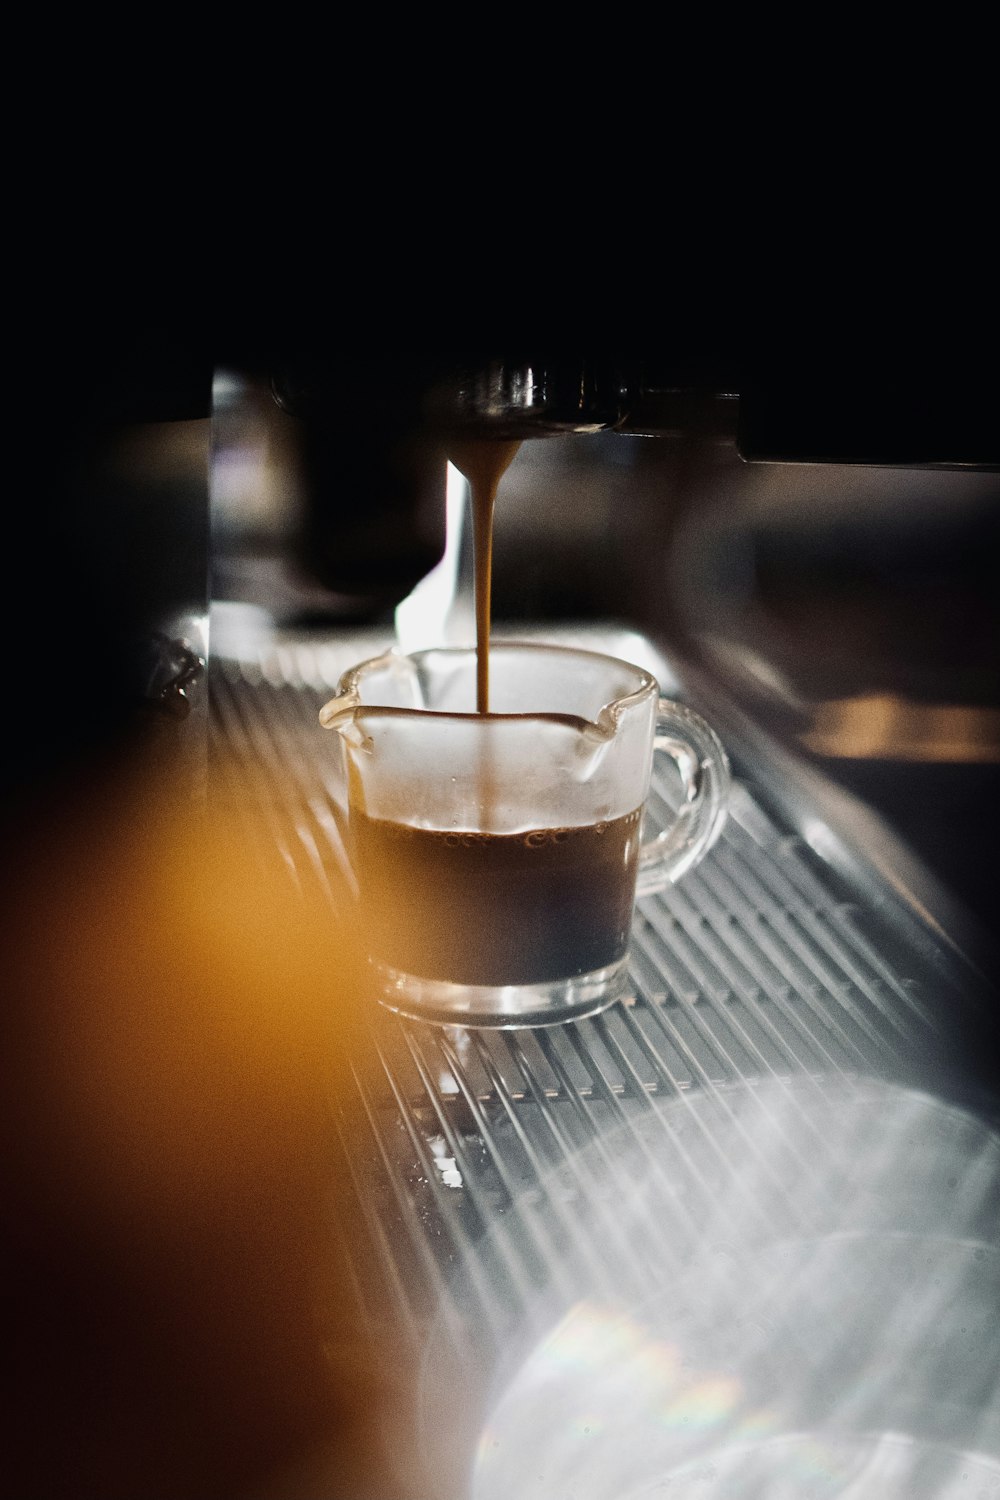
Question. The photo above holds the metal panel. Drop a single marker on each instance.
(783, 1070)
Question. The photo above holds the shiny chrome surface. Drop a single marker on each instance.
(804, 1061)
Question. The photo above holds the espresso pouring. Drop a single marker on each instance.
(484, 464)
(484, 907)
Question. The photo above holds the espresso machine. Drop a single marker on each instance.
(723, 504)
(737, 1235)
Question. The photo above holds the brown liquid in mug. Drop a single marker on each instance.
(496, 909)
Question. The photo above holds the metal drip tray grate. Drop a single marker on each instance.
(777, 1074)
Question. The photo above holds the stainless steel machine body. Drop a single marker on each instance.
(802, 1071)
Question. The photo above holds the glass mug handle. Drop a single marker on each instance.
(696, 751)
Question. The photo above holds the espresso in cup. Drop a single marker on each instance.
(498, 855)
(497, 909)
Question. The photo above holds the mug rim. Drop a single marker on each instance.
(348, 693)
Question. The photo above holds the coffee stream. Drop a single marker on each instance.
(483, 463)
(487, 908)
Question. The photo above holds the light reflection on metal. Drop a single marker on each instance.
(437, 612)
(887, 727)
(450, 1175)
(822, 1276)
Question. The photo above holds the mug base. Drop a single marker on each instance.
(501, 1006)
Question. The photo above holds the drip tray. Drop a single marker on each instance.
(753, 1210)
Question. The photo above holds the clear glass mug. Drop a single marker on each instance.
(498, 856)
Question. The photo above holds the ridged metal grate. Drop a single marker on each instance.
(501, 1170)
